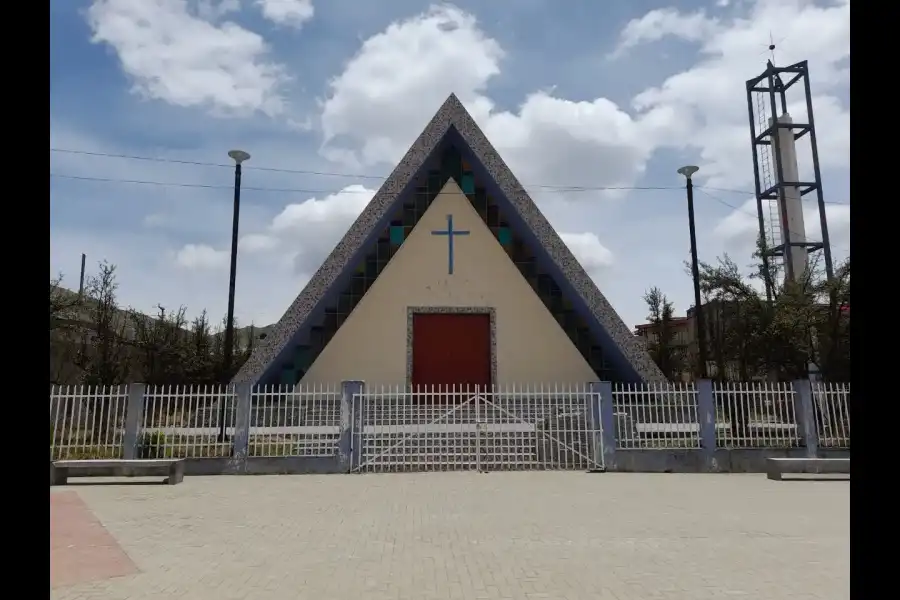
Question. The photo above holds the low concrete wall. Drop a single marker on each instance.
(698, 461)
(258, 465)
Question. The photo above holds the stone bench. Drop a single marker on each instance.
(777, 467)
(171, 468)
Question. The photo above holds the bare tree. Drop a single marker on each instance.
(64, 321)
(160, 342)
(63, 304)
(102, 355)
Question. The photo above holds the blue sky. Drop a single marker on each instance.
(589, 94)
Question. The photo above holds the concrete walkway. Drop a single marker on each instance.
(559, 536)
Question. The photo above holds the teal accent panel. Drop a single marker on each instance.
(396, 234)
(504, 235)
(288, 375)
(468, 183)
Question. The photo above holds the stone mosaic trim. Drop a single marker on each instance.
(451, 113)
(449, 310)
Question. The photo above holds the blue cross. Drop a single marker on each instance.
(450, 233)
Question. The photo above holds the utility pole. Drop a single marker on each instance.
(688, 172)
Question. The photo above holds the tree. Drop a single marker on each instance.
(160, 344)
(63, 304)
(200, 357)
(663, 345)
(752, 335)
(102, 356)
(831, 350)
(64, 307)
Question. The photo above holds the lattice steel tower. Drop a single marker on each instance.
(777, 173)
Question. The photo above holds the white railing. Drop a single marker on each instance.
(755, 415)
(475, 428)
(500, 427)
(832, 408)
(187, 421)
(87, 421)
(295, 421)
(656, 416)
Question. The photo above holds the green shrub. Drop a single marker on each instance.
(152, 445)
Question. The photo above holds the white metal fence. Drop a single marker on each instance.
(756, 415)
(301, 421)
(87, 421)
(187, 421)
(475, 428)
(502, 427)
(832, 408)
(656, 416)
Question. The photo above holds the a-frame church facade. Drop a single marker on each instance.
(451, 275)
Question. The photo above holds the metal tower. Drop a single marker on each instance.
(779, 188)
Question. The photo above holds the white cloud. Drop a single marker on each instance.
(740, 229)
(293, 13)
(174, 54)
(201, 256)
(390, 88)
(393, 85)
(593, 256)
(709, 101)
(300, 236)
(663, 22)
(216, 9)
(311, 229)
(399, 77)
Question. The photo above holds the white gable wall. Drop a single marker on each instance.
(371, 345)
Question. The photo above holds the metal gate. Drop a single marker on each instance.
(476, 429)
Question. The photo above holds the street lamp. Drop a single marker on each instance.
(238, 156)
(688, 171)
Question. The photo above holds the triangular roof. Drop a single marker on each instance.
(453, 124)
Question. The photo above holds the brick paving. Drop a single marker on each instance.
(556, 536)
(80, 547)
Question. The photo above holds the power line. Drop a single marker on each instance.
(747, 193)
(309, 191)
(573, 188)
(752, 214)
(199, 163)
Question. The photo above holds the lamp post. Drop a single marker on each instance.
(238, 156)
(688, 171)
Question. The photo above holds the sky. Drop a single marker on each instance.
(593, 105)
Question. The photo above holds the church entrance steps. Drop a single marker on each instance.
(486, 430)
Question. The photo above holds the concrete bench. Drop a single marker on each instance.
(777, 467)
(172, 468)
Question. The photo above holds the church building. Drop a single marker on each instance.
(451, 275)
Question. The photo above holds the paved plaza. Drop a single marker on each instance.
(558, 536)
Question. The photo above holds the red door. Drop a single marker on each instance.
(451, 349)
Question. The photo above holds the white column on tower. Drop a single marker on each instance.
(792, 201)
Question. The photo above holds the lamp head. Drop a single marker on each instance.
(238, 156)
(688, 171)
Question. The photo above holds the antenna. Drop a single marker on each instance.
(772, 46)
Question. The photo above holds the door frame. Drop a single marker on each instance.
(411, 311)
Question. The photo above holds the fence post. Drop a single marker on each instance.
(351, 422)
(706, 418)
(243, 394)
(594, 425)
(134, 410)
(602, 392)
(806, 416)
